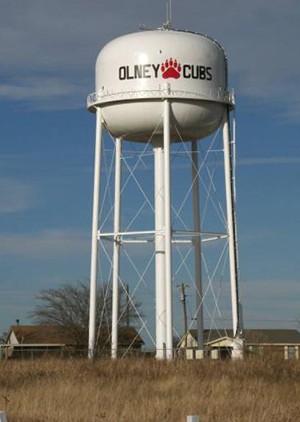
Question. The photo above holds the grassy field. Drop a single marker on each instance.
(131, 390)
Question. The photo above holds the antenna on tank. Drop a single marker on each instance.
(168, 24)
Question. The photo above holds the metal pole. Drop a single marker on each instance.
(169, 13)
(3, 416)
(116, 251)
(94, 245)
(192, 418)
(231, 225)
(160, 288)
(197, 246)
(168, 232)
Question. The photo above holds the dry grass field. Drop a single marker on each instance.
(131, 390)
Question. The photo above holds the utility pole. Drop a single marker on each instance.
(127, 306)
(183, 303)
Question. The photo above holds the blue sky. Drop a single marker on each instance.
(47, 57)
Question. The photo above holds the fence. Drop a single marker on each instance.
(24, 352)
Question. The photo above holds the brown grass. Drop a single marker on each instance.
(131, 390)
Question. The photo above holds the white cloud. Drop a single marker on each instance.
(46, 244)
(270, 302)
(36, 89)
(42, 92)
(257, 161)
(16, 196)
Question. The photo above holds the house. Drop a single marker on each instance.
(28, 341)
(129, 341)
(129, 338)
(283, 343)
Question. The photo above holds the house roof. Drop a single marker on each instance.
(128, 336)
(254, 336)
(39, 334)
(55, 334)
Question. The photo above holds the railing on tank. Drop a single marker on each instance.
(219, 96)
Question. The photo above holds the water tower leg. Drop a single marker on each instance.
(230, 205)
(160, 288)
(168, 232)
(94, 246)
(197, 246)
(116, 250)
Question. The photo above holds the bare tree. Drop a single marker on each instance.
(68, 307)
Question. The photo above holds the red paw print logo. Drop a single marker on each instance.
(170, 69)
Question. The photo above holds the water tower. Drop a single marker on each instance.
(168, 86)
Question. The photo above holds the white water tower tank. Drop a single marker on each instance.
(135, 72)
(160, 86)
